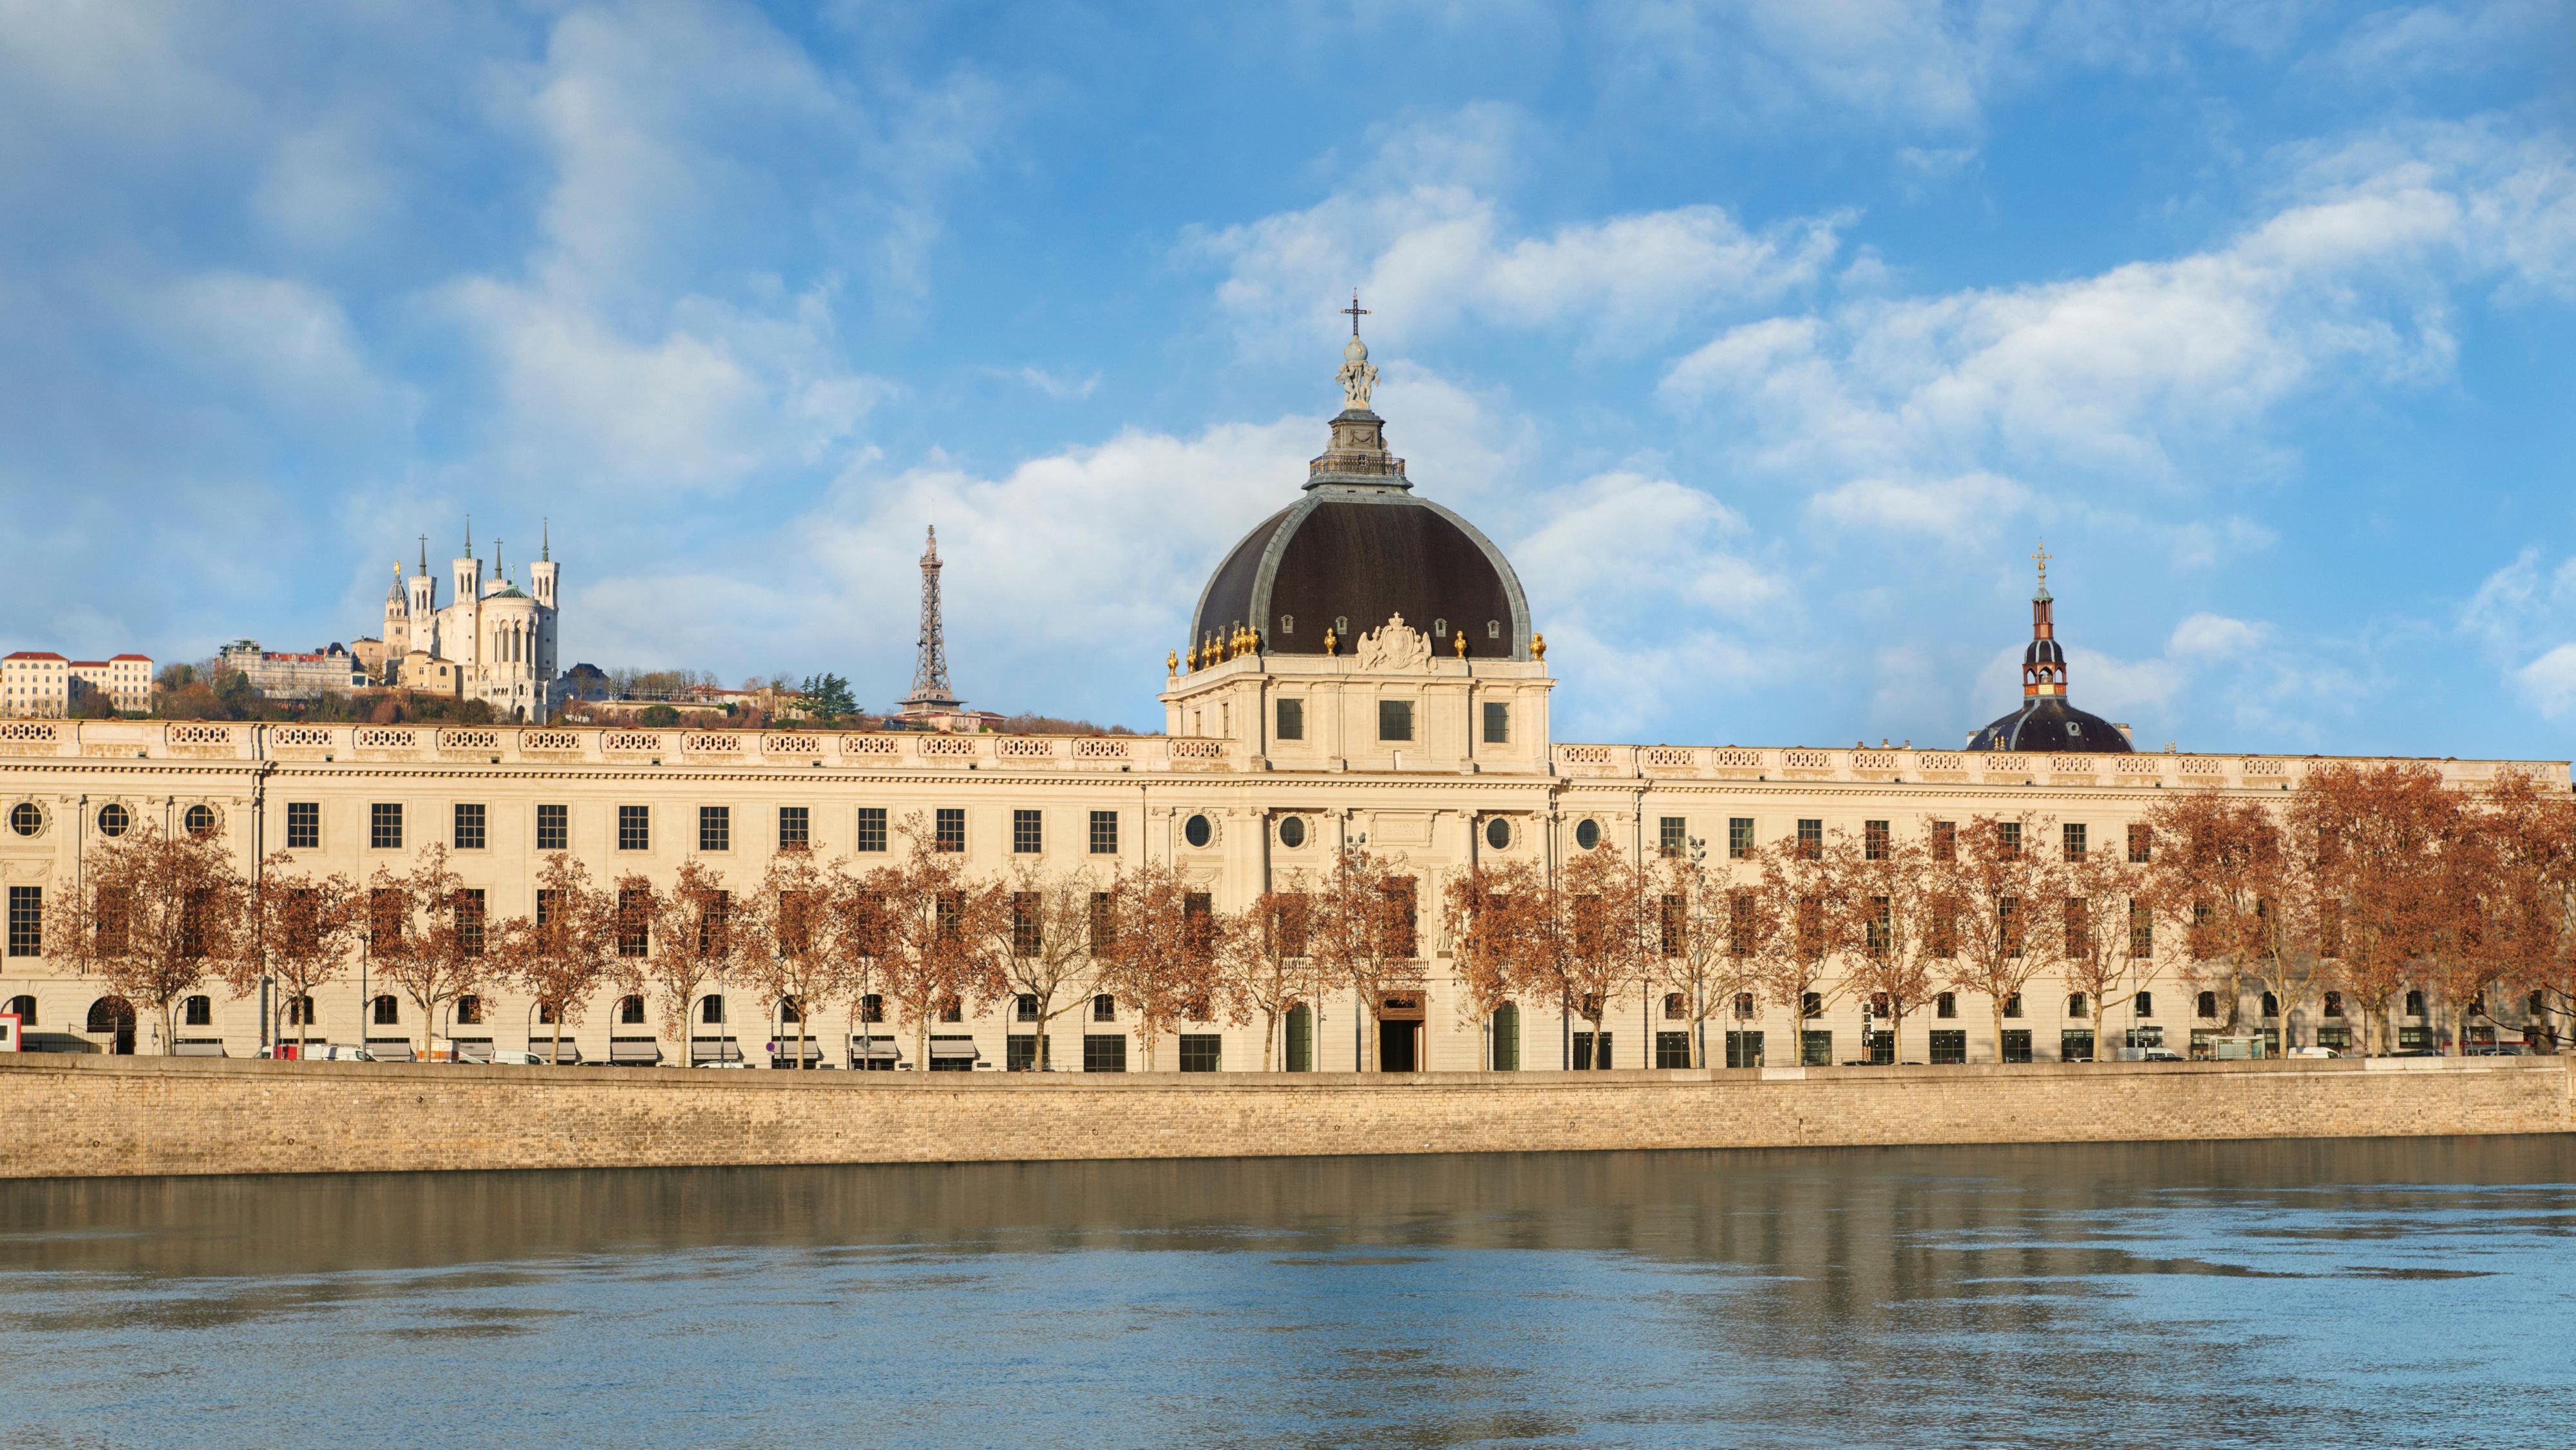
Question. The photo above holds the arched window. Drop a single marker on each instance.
(198, 1012)
(1744, 1006)
(872, 1008)
(24, 1009)
(2012, 1005)
(1493, 629)
(790, 1011)
(2075, 1004)
(2271, 1005)
(630, 1010)
(1674, 1007)
(1104, 1008)
(2145, 1004)
(469, 1011)
(545, 1015)
(388, 1011)
(2207, 1006)
(1287, 624)
(1811, 1004)
(711, 1010)
(299, 1011)
(951, 1010)
(111, 1014)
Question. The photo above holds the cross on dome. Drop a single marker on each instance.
(1355, 312)
(2042, 557)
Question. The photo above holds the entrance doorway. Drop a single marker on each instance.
(114, 1017)
(1399, 1032)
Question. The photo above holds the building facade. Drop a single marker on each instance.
(41, 684)
(281, 676)
(493, 641)
(1363, 672)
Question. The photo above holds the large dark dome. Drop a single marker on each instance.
(1358, 549)
(2049, 723)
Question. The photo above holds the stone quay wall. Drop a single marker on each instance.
(105, 1116)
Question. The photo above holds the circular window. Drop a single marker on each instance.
(1588, 834)
(200, 820)
(112, 819)
(1292, 832)
(26, 818)
(1498, 833)
(1198, 830)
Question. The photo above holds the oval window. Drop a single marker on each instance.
(1292, 833)
(1198, 830)
(26, 819)
(200, 820)
(1588, 834)
(1498, 833)
(112, 819)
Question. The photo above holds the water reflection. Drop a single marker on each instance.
(2303, 1293)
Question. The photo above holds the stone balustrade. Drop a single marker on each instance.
(677, 748)
(1882, 766)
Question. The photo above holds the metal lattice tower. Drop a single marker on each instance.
(931, 691)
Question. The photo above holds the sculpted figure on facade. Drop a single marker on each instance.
(1394, 647)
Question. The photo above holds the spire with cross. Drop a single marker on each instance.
(1355, 312)
(2041, 557)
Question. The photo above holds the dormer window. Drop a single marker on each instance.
(1493, 629)
(1287, 624)
(1439, 629)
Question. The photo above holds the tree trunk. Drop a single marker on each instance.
(1997, 1003)
(2097, 1027)
(1269, 1030)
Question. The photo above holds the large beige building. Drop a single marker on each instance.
(40, 683)
(1364, 670)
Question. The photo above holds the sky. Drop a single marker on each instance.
(1768, 338)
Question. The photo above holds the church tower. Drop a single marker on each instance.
(423, 634)
(397, 635)
(469, 601)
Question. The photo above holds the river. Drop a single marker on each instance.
(2305, 1293)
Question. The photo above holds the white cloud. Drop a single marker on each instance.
(1970, 506)
(2549, 682)
(1429, 251)
(2215, 636)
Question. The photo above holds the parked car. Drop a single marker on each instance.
(734, 1062)
(508, 1057)
(2159, 1054)
(2314, 1052)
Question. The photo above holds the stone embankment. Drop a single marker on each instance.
(105, 1116)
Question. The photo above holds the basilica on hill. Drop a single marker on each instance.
(492, 641)
(1363, 670)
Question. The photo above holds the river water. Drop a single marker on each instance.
(2380, 1292)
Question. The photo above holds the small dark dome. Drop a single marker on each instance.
(1358, 549)
(2049, 723)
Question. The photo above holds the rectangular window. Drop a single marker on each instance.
(715, 828)
(2017, 1044)
(2008, 840)
(951, 832)
(1949, 1046)
(2079, 928)
(2142, 843)
(1873, 840)
(1025, 1051)
(554, 828)
(1592, 1053)
(545, 906)
(469, 828)
(1202, 1052)
(1498, 723)
(304, 825)
(1104, 1052)
(384, 826)
(1672, 835)
(1024, 929)
(1739, 838)
(872, 829)
(2145, 1004)
(1672, 927)
(1816, 1049)
(1744, 1049)
(1946, 1006)
(2012, 1005)
(469, 920)
(634, 828)
(1739, 923)
(1811, 838)
(26, 921)
(385, 912)
(1945, 840)
(634, 905)
(1028, 835)
(1395, 719)
(795, 828)
(1672, 1049)
(1292, 719)
(1103, 929)
(2074, 837)
(2142, 930)
(1104, 833)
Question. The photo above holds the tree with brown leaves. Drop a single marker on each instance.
(1367, 937)
(2381, 835)
(2007, 896)
(1043, 942)
(1610, 929)
(304, 929)
(1162, 961)
(670, 946)
(2224, 875)
(153, 915)
(1500, 922)
(2109, 947)
(1799, 901)
(439, 958)
(1891, 904)
(938, 958)
(560, 956)
(1699, 911)
(1265, 961)
(785, 941)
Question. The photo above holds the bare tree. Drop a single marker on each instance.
(303, 929)
(153, 914)
(1699, 910)
(1046, 950)
(1800, 899)
(1892, 904)
(785, 939)
(560, 956)
(937, 959)
(2104, 914)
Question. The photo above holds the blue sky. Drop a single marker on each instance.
(1767, 337)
